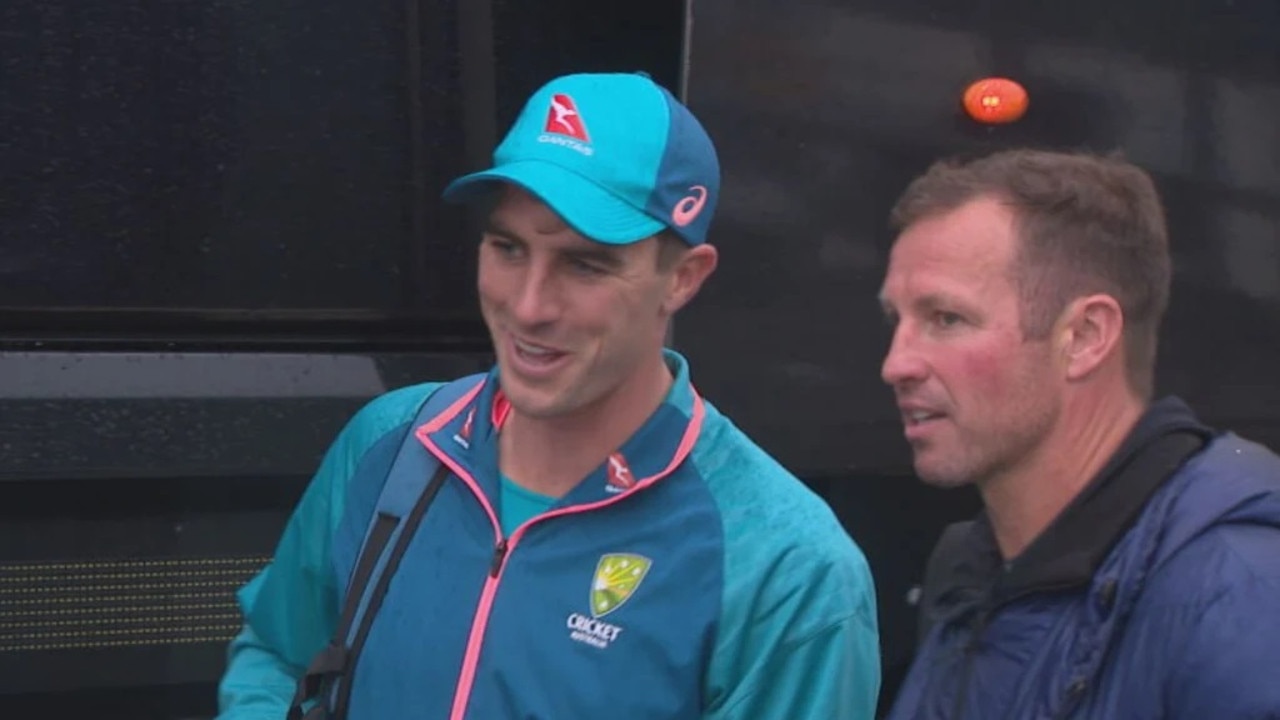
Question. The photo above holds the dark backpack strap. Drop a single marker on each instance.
(384, 579)
(333, 666)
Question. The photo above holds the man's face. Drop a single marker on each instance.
(573, 321)
(976, 398)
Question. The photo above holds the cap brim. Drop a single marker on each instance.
(593, 211)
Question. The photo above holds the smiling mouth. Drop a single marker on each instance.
(919, 417)
(534, 354)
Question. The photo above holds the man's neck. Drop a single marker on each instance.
(1022, 503)
(551, 455)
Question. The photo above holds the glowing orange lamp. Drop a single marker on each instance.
(995, 101)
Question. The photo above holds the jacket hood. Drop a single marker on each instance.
(1233, 481)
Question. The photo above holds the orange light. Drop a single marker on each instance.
(995, 101)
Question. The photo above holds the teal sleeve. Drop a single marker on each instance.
(834, 672)
(291, 607)
(258, 684)
(798, 635)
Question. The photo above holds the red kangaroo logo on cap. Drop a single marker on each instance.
(619, 473)
(563, 118)
(686, 211)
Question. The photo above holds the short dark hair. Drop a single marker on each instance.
(1086, 224)
(671, 247)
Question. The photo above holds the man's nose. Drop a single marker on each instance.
(903, 363)
(538, 298)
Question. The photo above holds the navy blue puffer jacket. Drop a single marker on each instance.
(1176, 617)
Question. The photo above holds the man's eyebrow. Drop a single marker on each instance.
(923, 303)
(934, 300)
(492, 227)
(600, 255)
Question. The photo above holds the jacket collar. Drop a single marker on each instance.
(1073, 547)
(466, 436)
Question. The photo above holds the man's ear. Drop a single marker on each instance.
(1092, 333)
(686, 276)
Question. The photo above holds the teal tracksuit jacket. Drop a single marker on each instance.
(689, 576)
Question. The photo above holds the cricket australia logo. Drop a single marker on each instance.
(617, 577)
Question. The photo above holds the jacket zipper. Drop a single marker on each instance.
(504, 546)
(966, 668)
(499, 556)
(501, 551)
(471, 658)
(990, 604)
(978, 627)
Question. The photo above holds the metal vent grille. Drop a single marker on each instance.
(121, 603)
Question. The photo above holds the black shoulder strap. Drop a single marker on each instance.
(335, 661)
(367, 562)
(329, 676)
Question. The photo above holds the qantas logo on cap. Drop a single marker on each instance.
(563, 118)
(564, 125)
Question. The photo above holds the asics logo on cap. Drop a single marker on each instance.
(563, 118)
(687, 210)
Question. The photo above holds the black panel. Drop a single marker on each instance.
(222, 155)
(139, 491)
(535, 42)
(111, 416)
(237, 171)
(130, 582)
(823, 111)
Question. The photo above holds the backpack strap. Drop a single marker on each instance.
(402, 504)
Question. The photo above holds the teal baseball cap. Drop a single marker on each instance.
(616, 155)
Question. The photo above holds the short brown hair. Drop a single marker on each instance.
(671, 247)
(1086, 224)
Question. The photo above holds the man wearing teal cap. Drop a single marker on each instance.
(576, 533)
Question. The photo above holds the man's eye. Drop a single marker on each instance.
(946, 319)
(585, 268)
(505, 248)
